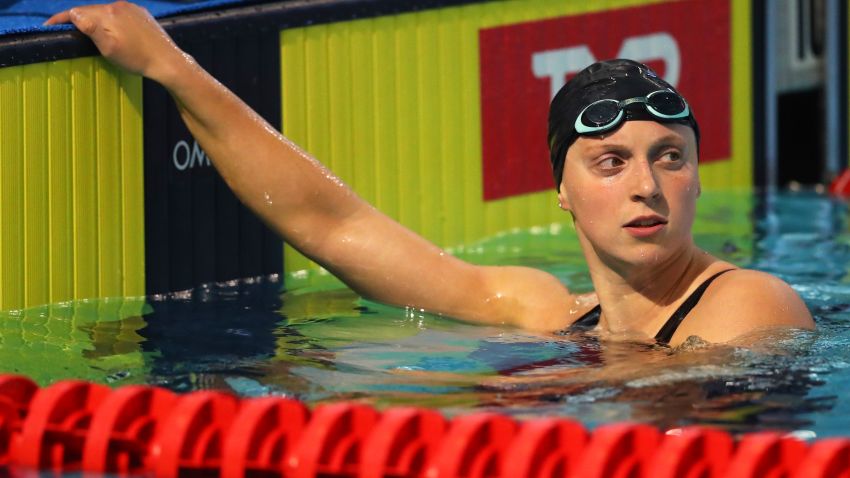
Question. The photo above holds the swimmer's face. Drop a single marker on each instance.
(633, 191)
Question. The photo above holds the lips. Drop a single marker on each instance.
(646, 221)
(644, 226)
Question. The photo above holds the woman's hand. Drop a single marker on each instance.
(126, 35)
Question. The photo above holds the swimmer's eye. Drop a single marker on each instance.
(610, 164)
(672, 158)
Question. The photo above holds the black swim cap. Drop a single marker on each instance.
(612, 79)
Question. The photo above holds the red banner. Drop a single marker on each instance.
(523, 65)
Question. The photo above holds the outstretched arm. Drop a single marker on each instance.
(310, 207)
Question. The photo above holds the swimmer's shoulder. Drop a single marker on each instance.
(537, 300)
(742, 301)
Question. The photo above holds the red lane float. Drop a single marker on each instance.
(695, 453)
(189, 440)
(402, 443)
(473, 446)
(544, 448)
(16, 392)
(56, 426)
(828, 458)
(75, 426)
(262, 437)
(618, 451)
(331, 443)
(840, 186)
(766, 454)
(122, 429)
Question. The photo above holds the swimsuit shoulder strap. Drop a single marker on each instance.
(589, 320)
(666, 333)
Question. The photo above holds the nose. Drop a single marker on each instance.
(644, 183)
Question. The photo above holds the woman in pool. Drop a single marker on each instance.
(624, 153)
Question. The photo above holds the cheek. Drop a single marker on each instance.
(591, 204)
(686, 194)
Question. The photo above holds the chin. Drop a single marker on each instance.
(646, 255)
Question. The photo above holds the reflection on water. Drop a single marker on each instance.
(324, 343)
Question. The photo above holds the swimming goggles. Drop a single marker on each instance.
(606, 114)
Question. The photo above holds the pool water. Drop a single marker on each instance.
(317, 341)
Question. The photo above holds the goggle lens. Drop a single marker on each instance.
(601, 113)
(666, 103)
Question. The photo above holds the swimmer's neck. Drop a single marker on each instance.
(637, 301)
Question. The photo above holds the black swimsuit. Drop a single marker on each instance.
(591, 318)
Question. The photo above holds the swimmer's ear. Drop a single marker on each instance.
(563, 199)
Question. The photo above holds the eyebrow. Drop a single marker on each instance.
(668, 140)
(620, 149)
(671, 138)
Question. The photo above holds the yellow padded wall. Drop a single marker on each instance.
(71, 184)
(392, 106)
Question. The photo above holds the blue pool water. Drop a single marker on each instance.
(323, 343)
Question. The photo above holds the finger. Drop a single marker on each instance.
(83, 21)
(61, 17)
